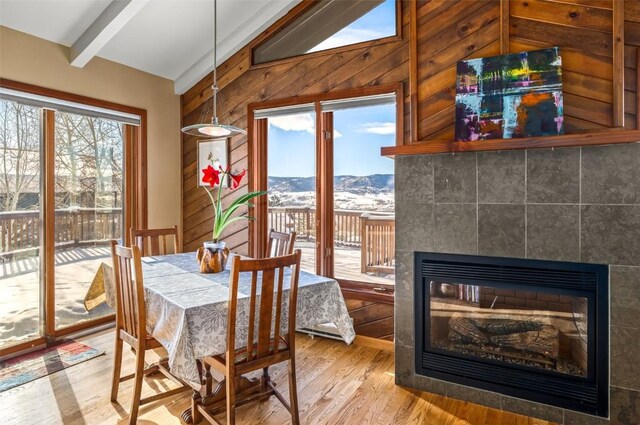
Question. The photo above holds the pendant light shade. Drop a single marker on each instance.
(214, 128)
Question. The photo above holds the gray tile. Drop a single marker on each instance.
(455, 228)
(553, 176)
(625, 407)
(611, 234)
(404, 365)
(625, 351)
(430, 385)
(534, 410)
(414, 227)
(454, 178)
(501, 230)
(501, 177)
(610, 174)
(404, 274)
(553, 232)
(625, 296)
(414, 178)
(474, 395)
(404, 321)
(575, 418)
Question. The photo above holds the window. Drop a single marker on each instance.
(329, 24)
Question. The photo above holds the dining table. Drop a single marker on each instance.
(187, 311)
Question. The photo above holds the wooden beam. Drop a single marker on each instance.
(504, 26)
(618, 64)
(609, 137)
(103, 29)
(637, 93)
(413, 71)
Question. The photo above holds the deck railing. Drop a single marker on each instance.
(373, 233)
(20, 230)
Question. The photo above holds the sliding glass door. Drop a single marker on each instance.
(363, 194)
(89, 191)
(328, 182)
(20, 233)
(71, 180)
(292, 180)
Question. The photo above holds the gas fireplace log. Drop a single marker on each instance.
(543, 341)
(467, 329)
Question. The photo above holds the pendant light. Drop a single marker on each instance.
(214, 128)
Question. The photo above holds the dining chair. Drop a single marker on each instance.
(263, 347)
(280, 243)
(131, 319)
(154, 241)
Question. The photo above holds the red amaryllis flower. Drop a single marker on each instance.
(211, 176)
(237, 178)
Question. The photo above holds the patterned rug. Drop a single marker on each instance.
(31, 366)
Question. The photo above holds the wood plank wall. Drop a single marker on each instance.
(241, 85)
(452, 30)
(446, 31)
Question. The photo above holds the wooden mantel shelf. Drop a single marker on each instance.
(567, 140)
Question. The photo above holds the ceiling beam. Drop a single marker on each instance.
(103, 29)
(246, 32)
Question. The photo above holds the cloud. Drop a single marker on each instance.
(298, 122)
(348, 36)
(383, 128)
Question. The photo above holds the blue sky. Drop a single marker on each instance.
(360, 133)
(378, 23)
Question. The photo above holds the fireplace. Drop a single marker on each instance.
(530, 329)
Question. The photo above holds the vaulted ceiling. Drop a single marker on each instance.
(169, 38)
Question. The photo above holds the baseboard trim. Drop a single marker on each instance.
(377, 343)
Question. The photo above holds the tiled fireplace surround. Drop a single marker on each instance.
(571, 204)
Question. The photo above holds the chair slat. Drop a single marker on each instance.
(154, 241)
(276, 337)
(280, 243)
(266, 312)
(252, 314)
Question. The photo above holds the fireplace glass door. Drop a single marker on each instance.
(536, 329)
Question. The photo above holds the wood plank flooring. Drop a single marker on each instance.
(337, 384)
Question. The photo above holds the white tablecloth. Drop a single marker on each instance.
(187, 310)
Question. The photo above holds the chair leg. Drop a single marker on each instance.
(137, 386)
(117, 366)
(231, 400)
(293, 392)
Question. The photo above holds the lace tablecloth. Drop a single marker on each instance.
(187, 310)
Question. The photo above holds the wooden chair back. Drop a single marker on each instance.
(154, 241)
(130, 310)
(272, 281)
(280, 243)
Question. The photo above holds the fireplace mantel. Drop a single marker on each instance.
(608, 137)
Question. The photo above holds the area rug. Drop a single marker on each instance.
(31, 366)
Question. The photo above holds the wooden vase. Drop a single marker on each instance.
(212, 257)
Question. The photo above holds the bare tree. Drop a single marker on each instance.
(20, 148)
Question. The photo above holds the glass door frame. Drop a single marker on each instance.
(258, 178)
(134, 209)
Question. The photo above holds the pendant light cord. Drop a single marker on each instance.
(214, 119)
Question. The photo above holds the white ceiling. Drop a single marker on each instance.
(169, 38)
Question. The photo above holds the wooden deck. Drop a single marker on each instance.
(337, 385)
(347, 264)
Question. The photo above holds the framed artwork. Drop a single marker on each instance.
(209, 152)
(508, 96)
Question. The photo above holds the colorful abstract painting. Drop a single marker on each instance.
(515, 95)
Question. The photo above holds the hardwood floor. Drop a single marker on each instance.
(337, 384)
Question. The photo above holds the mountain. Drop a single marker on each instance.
(373, 184)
